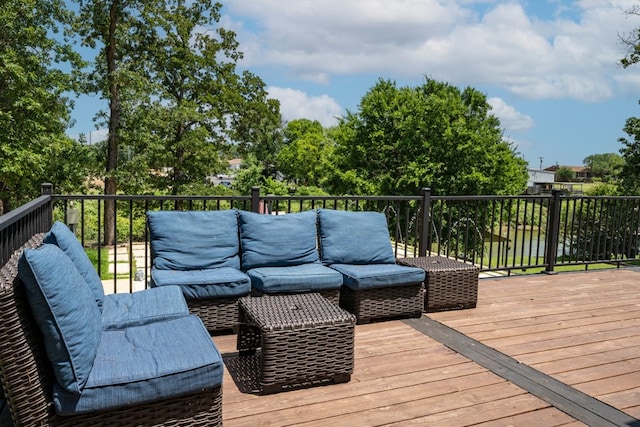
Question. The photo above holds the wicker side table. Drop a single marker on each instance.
(304, 338)
(449, 284)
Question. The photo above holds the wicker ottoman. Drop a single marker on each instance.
(304, 339)
(449, 284)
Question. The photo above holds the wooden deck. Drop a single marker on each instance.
(562, 342)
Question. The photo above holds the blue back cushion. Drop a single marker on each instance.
(354, 238)
(64, 310)
(194, 240)
(61, 236)
(278, 240)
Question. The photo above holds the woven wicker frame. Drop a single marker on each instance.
(303, 339)
(217, 314)
(333, 295)
(378, 303)
(27, 377)
(449, 284)
(249, 338)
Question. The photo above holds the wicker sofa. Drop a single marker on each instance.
(345, 256)
(217, 257)
(61, 364)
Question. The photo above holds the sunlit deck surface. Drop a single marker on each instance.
(568, 353)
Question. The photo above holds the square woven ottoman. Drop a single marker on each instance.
(449, 284)
(304, 339)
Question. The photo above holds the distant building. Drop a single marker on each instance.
(235, 164)
(227, 179)
(540, 181)
(582, 173)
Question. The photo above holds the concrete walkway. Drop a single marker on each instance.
(120, 265)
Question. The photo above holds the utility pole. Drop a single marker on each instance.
(541, 162)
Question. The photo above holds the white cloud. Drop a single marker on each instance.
(573, 53)
(510, 118)
(295, 104)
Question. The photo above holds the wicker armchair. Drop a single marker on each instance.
(27, 377)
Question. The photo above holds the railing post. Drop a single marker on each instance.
(255, 199)
(553, 229)
(46, 189)
(425, 223)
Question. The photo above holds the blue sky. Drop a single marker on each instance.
(549, 68)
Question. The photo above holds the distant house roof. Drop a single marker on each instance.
(576, 169)
(235, 163)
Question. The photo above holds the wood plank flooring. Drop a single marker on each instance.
(581, 328)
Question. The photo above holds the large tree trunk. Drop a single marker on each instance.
(111, 184)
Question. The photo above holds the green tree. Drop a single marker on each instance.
(176, 100)
(605, 166)
(631, 40)
(307, 152)
(249, 175)
(629, 177)
(564, 174)
(34, 111)
(193, 102)
(403, 139)
(106, 26)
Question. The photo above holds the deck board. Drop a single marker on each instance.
(581, 328)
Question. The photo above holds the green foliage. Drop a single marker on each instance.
(631, 40)
(34, 110)
(249, 175)
(604, 166)
(601, 228)
(435, 135)
(274, 187)
(307, 154)
(103, 260)
(602, 189)
(179, 98)
(564, 174)
(629, 176)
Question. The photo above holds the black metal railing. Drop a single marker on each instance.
(19, 225)
(497, 233)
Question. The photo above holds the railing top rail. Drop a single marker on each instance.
(573, 196)
(146, 197)
(227, 198)
(350, 198)
(11, 217)
(491, 197)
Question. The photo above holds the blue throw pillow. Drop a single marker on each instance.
(354, 238)
(65, 311)
(61, 236)
(194, 240)
(278, 240)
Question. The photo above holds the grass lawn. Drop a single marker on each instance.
(105, 274)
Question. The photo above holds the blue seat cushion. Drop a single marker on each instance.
(138, 308)
(354, 238)
(295, 278)
(358, 277)
(61, 236)
(147, 363)
(194, 240)
(210, 283)
(65, 311)
(278, 240)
